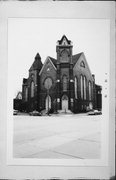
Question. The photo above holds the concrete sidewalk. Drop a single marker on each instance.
(52, 137)
(82, 148)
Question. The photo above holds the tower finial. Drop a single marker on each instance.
(37, 56)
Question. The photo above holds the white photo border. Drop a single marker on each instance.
(100, 10)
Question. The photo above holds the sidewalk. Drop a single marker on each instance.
(66, 137)
(82, 148)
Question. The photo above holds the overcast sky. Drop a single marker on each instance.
(27, 36)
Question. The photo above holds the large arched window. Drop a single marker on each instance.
(81, 87)
(65, 83)
(26, 94)
(84, 87)
(75, 87)
(32, 89)
(89, 90)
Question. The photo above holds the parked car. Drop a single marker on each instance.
(35, 113)
(15, 112)
(94, 112)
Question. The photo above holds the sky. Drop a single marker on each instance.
(29, 36)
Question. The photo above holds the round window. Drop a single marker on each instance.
(48, 83)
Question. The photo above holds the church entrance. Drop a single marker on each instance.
(48, 103)
(64, 103)
(90, 106)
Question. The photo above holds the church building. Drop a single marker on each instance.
(64, 83)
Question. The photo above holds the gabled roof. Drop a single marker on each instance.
(75, 58)
(54, 61)
(19, 95)
(37, 64)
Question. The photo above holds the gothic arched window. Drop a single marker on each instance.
(82, 64)
(32, 89)
(89, 90)
(84, 88)
(64, 56)
(26, 94)
(81, 87)
(75, 87)
(65, 83)
(64, 42)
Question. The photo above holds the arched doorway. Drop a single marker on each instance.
(48, 103)
(64, 103)
(90, 106)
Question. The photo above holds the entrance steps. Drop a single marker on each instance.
(44, 112)
(65, 111)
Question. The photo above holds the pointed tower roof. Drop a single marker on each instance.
(64, 41)
(37, 64)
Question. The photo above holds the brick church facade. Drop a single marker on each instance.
(64, 83)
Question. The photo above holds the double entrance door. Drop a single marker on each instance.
(64, 103)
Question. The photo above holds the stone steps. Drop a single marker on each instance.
(65, 111)
(44, 112)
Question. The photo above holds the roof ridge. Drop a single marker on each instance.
(77, 54)
(52, 57)
(54, 61)
(76, 57)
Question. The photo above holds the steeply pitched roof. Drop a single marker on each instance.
(54, 61)
(75, 58)
(37, 64)
(50, 59)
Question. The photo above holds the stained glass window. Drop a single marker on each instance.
(32, 89)
(65, 83)
(75, 87)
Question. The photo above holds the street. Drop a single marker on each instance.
(57, 136)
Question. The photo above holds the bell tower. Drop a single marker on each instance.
(64, 50)
(65, 81)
